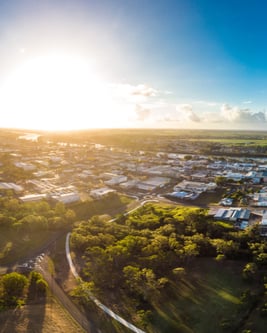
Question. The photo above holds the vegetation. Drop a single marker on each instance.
(16, 289)
(165, 269)
(150, 264)
(34, 223)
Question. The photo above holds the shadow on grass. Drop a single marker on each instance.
(202, 300)
(36, 318)
(28, 318)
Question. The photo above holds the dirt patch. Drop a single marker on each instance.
(41, 318)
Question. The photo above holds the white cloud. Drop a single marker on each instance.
(130, 92)
(238, 115)
(143, 90)
(247, 102)
(186, 113)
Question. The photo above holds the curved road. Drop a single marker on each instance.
(90, 295)
(96, 301)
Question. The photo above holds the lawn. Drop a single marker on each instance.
(206, 300)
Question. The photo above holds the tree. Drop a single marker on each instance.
(60, 209)
(143, 282)
(41, 287)
(13, 285)
(189, 251)
(250, 271)
(38, 286)
(70, 215)
(226, 247)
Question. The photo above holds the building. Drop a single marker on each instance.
(116, 180)
(101, 192)
(232, 214)
(33, 197)
(197, 187)
(66, 197)
(11, 186)
(152, 183)
(182, 195)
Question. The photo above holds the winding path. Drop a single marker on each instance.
(90, 295)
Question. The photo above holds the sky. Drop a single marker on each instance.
(77, 64)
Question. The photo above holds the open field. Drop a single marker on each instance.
(206, 300)
(124, 136)
(49, 317)
(226, 141)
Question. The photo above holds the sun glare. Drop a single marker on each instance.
(56, 92)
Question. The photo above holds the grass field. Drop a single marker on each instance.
(49, 317)
(206, 300)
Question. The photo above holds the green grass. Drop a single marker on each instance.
(208, 295)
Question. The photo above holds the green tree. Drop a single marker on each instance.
(70, 216)
(143, 282)
(13, 285)
(60, 209)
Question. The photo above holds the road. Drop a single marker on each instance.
(66, 302)
(73, 310)
(96, 301)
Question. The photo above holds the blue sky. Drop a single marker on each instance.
(173, 64)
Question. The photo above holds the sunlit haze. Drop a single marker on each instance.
(56, 91)
(141, 64)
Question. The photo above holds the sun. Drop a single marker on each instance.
(56, 92)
